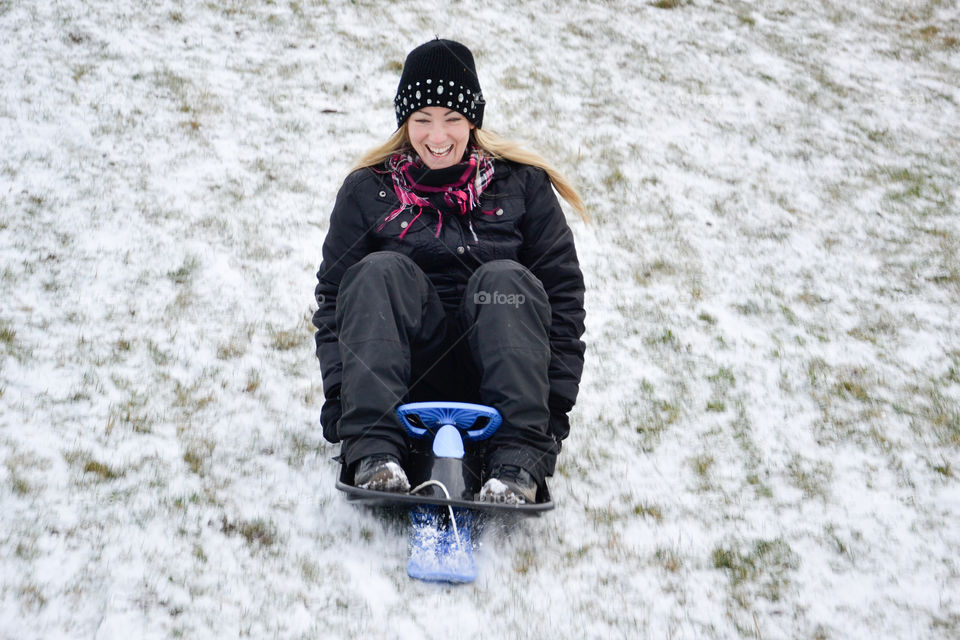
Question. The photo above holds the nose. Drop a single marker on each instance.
(437, 132)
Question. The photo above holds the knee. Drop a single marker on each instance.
(502, 271)
(383, 261)
(505, 286)
(382, 265)
(495, 267)
(506, 276)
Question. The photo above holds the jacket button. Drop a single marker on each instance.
(383, 194)
(460, 250)
(499, 212)
(404, 224)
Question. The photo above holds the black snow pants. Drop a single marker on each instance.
(399, 344)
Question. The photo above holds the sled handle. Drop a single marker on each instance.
(474, 421)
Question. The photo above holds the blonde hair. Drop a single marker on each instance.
(492, 145)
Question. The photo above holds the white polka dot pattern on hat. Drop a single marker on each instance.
(419, 96)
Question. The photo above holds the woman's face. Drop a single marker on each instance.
(439, 136)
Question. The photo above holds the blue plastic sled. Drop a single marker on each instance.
(445, 468)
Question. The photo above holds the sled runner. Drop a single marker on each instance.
(445, 468)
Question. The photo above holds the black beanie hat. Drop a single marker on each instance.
(439, 73)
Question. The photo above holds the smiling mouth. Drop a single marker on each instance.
(441, 152)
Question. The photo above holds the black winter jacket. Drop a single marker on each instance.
(523, 222)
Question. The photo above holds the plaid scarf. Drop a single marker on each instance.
(461, 196)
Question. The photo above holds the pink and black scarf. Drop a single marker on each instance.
(460, 196)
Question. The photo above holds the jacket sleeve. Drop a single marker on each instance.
(347, 241)
(548, 251)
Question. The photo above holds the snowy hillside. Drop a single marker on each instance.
(768, 438)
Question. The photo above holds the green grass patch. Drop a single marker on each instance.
(8, 336)
(716, 406)
(875, 332)
(234, 348)
(197, 455)
(253, 381)
(257, 533)
(939, 415)
(605, 516)
(657, 415)
(647, 272)
(906, 185)
(721, 381)
(850, 388)
(748, 308)
(944, 468)
(702, 464)
(19, 465)
(669, 559)
(192, 398)
(185, 273)
(90, 466)
(813, 478)
(101, 470)
(664, 338)
(648, 510)
(723, 378)
(762, 564)
(300, 446)
(668, 4)
(953, 371)
(237, 345)
(181, 503)
(160, 357)
(131, 414)
(286, 340)
(31, 597)
(525, 560)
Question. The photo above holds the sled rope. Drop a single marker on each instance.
(453, 519)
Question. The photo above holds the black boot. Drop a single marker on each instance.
(381, 472)
(509, 484)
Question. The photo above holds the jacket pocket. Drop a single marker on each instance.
(497, 226)
(498, 210)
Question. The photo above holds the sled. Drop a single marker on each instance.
(445, 469)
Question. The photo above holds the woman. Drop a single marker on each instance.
(449, 273)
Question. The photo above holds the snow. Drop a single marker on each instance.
(767, 440)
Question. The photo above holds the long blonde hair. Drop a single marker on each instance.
(492, 145)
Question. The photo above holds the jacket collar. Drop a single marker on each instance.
(502, 169)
